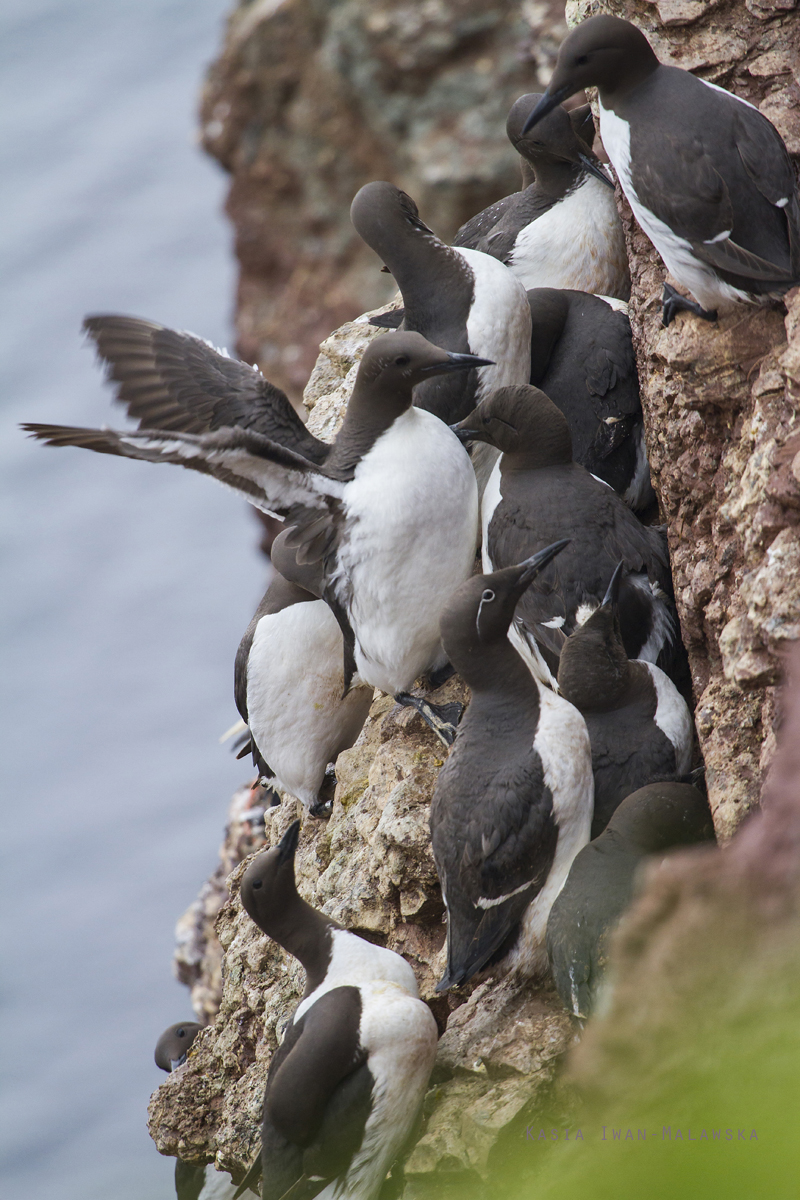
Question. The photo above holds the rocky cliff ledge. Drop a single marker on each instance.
(307, 103)
(371, 867)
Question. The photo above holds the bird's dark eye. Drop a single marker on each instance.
(488, 595)
(581, 60)
(486, 420)
(181, 1032)
(256, 883)
(402, 360)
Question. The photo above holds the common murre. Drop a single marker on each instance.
(193, 1181)
(537, 493)
(640, 727)
(601, 882)
(458, 299)
(346, 1083)
(513, 802)
(582, 358)
(390, 514)
(563, 229)
(289, 685)
(708, 177)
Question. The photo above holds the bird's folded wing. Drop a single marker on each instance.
(682, 187)
(176, 381)
(506, 851)
(727, 256)
(272, 477)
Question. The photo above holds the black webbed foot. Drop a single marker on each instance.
(442, 718)
(673, 302)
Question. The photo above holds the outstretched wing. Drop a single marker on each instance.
(176, 381)
(272, 477)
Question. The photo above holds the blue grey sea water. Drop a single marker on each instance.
(125, 589)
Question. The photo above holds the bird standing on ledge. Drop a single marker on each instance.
(707, 176)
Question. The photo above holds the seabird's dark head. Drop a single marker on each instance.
(381, 212)
(662, 815)
(520, 421)
(397, 362)
(554, 139)
(593, 670)
(173, 1045)
(268, 885)
(479, 613)
(604, 52)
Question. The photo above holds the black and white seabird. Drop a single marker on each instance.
(582, 358)
(513, 802)
(346, 1083)
(389, 513)
(601, 882)
(536, 493)
(708, 177)
(193, 1181)
(563, 229)
(458, 299)
(290, 690)
(639, 725)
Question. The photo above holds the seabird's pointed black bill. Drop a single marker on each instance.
(288, 843)
(595, 170)
(465, 436)
(531, 567)
(457, 362)
(612, 593)
(546, 105)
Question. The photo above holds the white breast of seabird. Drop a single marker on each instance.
(295, 681)
(702, 281)
(578, 243)
(562, 742)
(673, 718)
(355, 961)
(412, 526)
(498, 324)
(399, 1034)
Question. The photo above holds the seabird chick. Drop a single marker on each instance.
(563, 229)
(513, 802)
(346, 1083)
(536, 493)
(389, 514)
(639, 725)
(708, 177)
(602, 879)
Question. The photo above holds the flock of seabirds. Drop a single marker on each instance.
(500, 407)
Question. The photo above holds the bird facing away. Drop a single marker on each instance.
(582, 358)
(290, 691)
(639, 725)
(601, 883)
(345, 1085)
(563, 229)
(708, 177)
(513, 802)
(536, 494)
(458, 299)
(388, 512)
